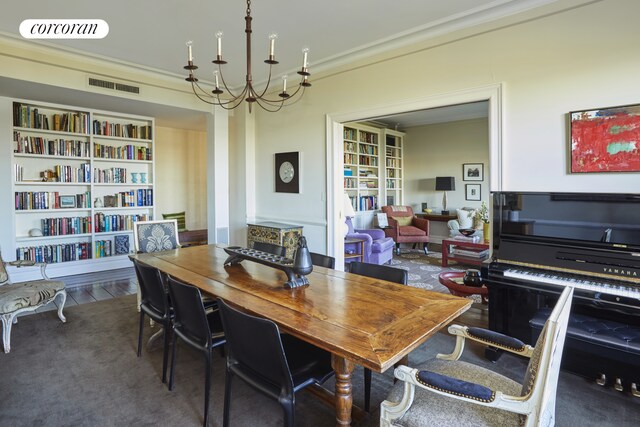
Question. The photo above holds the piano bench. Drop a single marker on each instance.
(596, 347)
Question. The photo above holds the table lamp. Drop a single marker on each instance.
(347, 209)
(445, 183)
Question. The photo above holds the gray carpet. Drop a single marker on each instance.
(86, 373)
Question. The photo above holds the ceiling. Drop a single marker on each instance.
(151, 35)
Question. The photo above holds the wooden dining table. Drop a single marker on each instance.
(359, 320)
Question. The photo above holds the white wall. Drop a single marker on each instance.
(440, 150)
(583, 58)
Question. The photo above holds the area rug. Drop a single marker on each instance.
(85, 373)
(423, 269)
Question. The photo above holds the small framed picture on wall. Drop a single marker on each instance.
(287, 172)
(472, 192)
(473, 171)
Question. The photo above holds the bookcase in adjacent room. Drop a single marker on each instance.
(393, 159)
(373, 174)
(81, 178)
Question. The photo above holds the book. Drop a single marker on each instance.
(470, 253)
(121, 242)
(472, 239)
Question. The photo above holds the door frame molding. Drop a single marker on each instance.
(494, 94)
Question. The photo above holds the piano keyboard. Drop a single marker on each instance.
(578, 283)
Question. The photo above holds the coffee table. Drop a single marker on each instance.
(453, 281)
(449, 244)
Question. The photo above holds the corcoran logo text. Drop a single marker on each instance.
(64, 29)
(620, 272)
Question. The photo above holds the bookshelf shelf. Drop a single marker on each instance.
(65, 142)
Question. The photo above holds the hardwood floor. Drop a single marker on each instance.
(84, 288)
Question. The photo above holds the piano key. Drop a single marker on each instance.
(611, 289)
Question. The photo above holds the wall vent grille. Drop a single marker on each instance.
(105, 84)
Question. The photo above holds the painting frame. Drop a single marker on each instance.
(473, 171)
(472, 192)
(67, 202)
(605, 139)
(287, 172)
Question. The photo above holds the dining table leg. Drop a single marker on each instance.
(344, 397)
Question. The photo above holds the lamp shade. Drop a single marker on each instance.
(347, 207)
(445, 183)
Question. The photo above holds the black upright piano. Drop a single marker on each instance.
(543, 242)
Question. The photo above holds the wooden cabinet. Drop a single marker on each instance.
(373, 175)
(81, 178)
(277, 233)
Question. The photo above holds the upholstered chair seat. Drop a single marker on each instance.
(440, 409)
(378, 248)
(19, 297)
(405, 227)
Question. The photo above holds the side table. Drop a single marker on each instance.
(356, 254)
(453, 281)
(467, 252)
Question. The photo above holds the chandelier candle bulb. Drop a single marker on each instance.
(305, 52)
(219, 37)
(284, 84)
(189, 50)
(272, 45)
(215, 75)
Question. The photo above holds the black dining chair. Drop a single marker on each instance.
(323, 260)
(154, 302)
(202, 331)
(270, 248)
(382, 272)
(278, 365)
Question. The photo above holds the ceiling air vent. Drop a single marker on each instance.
(105, 84)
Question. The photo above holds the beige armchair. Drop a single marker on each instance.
(20, 297)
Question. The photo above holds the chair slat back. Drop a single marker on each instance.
(156, 236)
(323, 260)
(541, 378)
(190, 317)
(152, 289)
(270, 248)
(255, 343)
(382, 272)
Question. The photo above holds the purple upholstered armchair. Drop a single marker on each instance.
(378, 249)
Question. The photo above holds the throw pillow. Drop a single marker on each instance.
(403, 220)
(464, 219)
(180, 217)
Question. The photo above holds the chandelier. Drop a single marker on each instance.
(248, 93)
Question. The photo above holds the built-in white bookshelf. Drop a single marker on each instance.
(373, 175)
(80, 179)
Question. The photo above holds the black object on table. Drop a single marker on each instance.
(295, 278)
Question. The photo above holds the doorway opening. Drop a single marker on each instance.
(492, 95)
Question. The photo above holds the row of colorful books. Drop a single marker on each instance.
(51, 147)
(66, 225)
(55, 253)
(27, 200)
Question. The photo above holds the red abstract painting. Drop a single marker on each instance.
(606, 140)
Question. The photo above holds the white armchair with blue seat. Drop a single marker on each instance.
(378, 249)
(452, 392)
